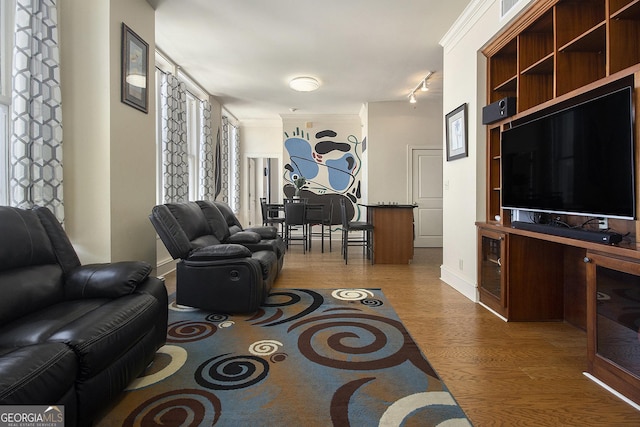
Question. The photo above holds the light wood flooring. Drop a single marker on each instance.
(501, 374)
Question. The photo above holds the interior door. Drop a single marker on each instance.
(426, 192)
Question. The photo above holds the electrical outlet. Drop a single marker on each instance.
(603, 223)
(460, 264)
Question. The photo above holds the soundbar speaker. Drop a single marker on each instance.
(506, 107)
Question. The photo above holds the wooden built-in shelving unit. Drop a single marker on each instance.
(549, 57)
(555, 50)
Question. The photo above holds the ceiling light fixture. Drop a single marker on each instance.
(304, 84)
(423, 86)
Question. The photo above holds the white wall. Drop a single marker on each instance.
(109, 147)
(262, 139)
(464, 179)
(85, 88)
(392, 128)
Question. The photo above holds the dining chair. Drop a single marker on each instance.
(295, 222)
(271, 215)
(366, 241)
(320, 215)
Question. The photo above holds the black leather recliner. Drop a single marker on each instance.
(229, 230)
(215, 276)
(71, 335)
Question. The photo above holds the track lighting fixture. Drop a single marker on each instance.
(423, 86)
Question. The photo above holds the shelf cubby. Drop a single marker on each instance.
(624, 32)
(577, 69)
(624, 9)
(504, 72)
(574, 18)
(535, 89)
(493, 175)
(535, 44)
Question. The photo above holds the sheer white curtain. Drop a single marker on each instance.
(175, 162)
(35, 148)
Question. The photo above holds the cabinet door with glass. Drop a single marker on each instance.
(492, 274)
(613, 322)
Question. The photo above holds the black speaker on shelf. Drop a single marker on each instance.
(499, 110)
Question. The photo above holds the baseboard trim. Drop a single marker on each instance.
(165, 267)
(500, 316)
(612, 390)
(458, 283)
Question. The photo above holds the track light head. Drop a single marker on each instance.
(423, 86)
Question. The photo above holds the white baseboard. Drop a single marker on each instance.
(494, 312)
(165, 267)
(458, 283)
(611, 390)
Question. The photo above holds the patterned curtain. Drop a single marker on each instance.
(175, 165)
(224, 161)
(35, 150)
(218, 165)
(207, 189)
(235, 190)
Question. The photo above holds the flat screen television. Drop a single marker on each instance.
(579, 160)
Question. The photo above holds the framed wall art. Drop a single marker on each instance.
(135, 70)
(456, 128)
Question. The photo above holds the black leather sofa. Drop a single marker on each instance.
(258, 238)
(71, 335)
(222, 277)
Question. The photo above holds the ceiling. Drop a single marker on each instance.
(244, 52)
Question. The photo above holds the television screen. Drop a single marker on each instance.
(579, 160)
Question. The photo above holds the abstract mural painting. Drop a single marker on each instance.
(330, 163)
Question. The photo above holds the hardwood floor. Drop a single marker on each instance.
(502, 374)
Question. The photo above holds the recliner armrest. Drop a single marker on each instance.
(220, 252)
(244, 237)
(265, 232)
(111, 280)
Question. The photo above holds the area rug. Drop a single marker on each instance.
(306, 358)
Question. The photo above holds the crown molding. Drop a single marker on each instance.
(470, 16)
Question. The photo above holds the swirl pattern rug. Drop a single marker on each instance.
(306, 358)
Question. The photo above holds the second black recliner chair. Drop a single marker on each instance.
(213, 275)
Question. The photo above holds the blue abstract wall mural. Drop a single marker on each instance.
(331, 165)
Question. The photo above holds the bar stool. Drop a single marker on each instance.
(349, 226)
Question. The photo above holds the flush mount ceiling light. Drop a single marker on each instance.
(304, 84)
(423, 86)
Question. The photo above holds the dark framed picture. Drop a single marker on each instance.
(135, 70)
(456, 124)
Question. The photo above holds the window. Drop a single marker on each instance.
(192, 135)
(193, 144)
